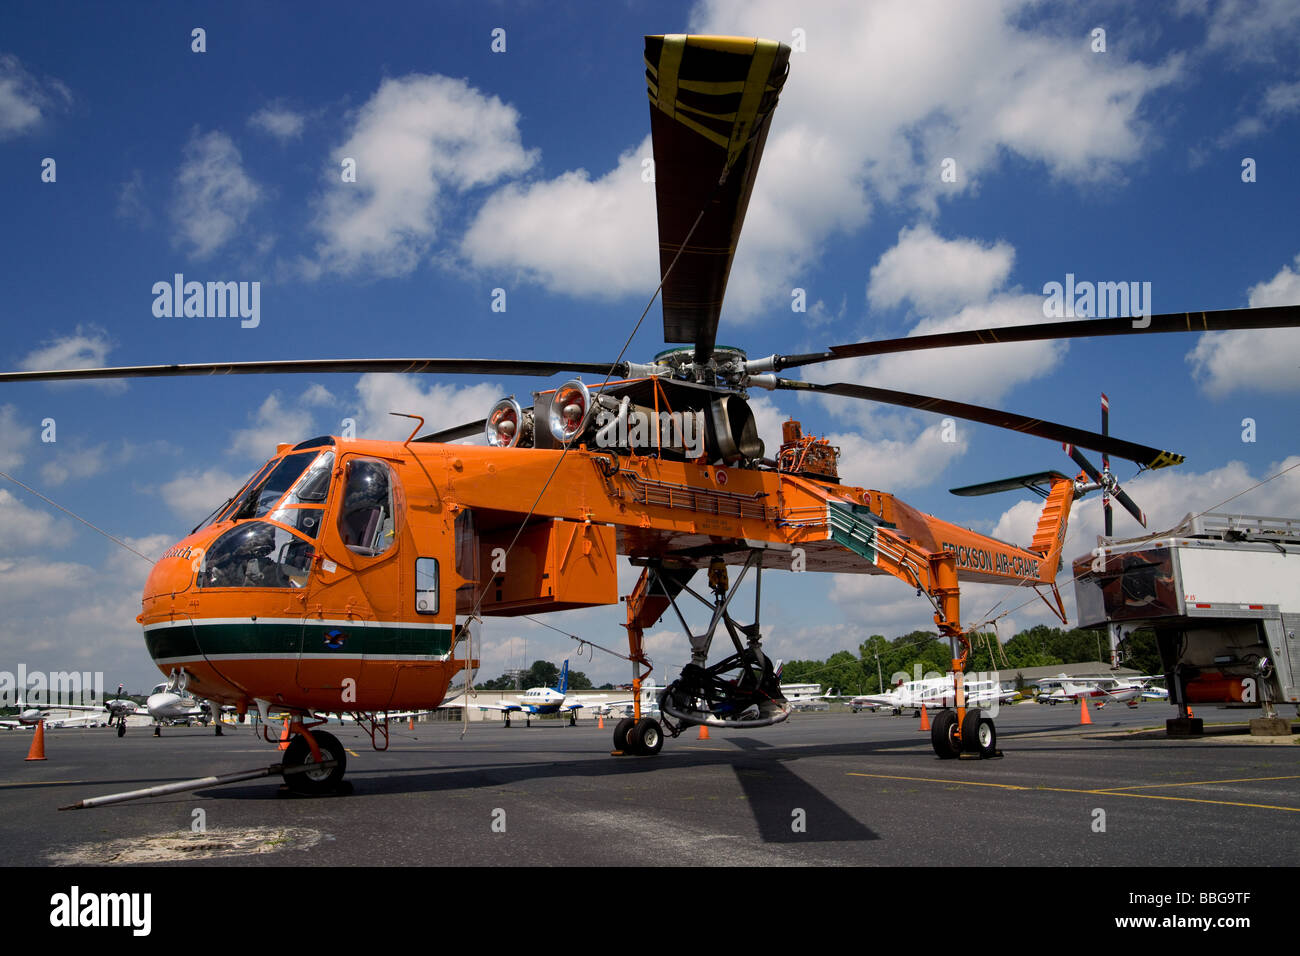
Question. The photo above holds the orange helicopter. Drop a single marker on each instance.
(344, 575)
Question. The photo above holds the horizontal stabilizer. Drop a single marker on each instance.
(1035, 482)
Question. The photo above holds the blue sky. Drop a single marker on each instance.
(521, 170)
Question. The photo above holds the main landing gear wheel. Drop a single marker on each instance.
(646, 738)
(620, 733)
(943, 734)
(978, 735)
(315, 782)
(121, 729)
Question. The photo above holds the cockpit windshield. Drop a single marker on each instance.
(269, 486)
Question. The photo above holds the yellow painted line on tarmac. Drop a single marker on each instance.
(351, 751)
(1197, 783)
(1157, 796)
(1119, 792)
(963, 783)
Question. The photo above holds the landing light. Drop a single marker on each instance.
(505, 424)
(569, 408)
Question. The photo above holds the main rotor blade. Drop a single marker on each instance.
(1271, 317)
(324, 366)
(1142, 454)
(711, 103)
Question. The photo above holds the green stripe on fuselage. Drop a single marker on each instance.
(309, 637)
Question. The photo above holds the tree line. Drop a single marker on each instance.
(869, 671)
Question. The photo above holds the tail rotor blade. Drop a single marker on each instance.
(1084, 463)
(1129, 506)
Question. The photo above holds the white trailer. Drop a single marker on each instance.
(1222, 594)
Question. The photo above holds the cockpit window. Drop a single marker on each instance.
(367, 516)
(314, 485)
(262, 495)
(257, 555)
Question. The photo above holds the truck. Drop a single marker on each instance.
(1221, 592)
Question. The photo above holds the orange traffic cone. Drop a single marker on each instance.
(600, 721)
(284, 735)
(37, 751)
(704, 733)
(410, 723)
(1084, 716)
(925, 719)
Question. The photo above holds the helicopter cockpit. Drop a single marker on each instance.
(279, 513)
(290, 491)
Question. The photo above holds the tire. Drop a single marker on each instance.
(970, 730)
(943, 734)
(649, 737)
(620, 733)
(121, 729)
(988, 739)
(315, 782)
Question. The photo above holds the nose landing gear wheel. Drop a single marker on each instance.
(121, 729)
(315, 782)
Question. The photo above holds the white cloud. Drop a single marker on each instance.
(192, 495)
(417, 137)
(275, 422)
(893, 88)
(15, 438)
(947, 274)
(573, 234)
(935, 273)
(24, 99)
(282, 123)
(87, 347)
(26, 527)
(214, 195)
(1254, 31)
(907, 462)
(443, 406)
(1265, 360)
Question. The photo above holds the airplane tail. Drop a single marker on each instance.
(564, 679)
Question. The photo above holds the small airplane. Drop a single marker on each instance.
(542, 701)
(29, 715)
(169, 702)
(804, 696)
(1128, 690)
(932, 692)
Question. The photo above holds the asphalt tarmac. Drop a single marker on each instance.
(818, 790)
